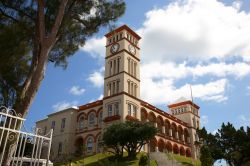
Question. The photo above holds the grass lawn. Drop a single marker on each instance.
(105, 159)
(186, 161)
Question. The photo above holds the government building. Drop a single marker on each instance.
(82, 126)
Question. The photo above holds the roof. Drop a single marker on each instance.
(176, 104)
(90, 105)
(119, 29)
(167, 115)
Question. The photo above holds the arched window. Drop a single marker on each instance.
(81, 123)
(90, 144)
(91, 119)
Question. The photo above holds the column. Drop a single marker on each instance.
(132, 70)
(170, 132)
(177, 135)
(128, 65)
(163, 129)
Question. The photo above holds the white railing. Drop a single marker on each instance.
(16, 144)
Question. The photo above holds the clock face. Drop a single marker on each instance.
(114, 48)
(131, 49)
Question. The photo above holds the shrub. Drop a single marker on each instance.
(143, 160)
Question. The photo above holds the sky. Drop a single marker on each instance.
(202, 43)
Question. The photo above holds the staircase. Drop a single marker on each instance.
(163, 160)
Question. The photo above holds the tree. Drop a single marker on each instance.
(130, 136)
(229, 144)
(206, 157)
(46, 31)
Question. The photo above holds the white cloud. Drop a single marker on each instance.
(95, 47)
(195, 30)
(100, 97)
(244, 121)
(188, 38)
(182, 70)
(76, 90)
(204, 120)
(63, 105)
(96, 78)
(164, 90)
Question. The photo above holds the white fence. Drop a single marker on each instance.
(17, 145)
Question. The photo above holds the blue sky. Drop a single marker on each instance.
(205, 43)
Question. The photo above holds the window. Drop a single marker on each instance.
(90, 144)
(134, 111)
(134, 69)
(63, 123)
(109, 89)
(53, 125)
(120, 35)
(118, 65)
(91, 119)
(110, 68)
(113, 88)
(81, 123)
(128, 65)
(116, 109)
(110, 110)
(114, 68)
(59, 152)
(129, 109)
(117, 86)
(128, 87)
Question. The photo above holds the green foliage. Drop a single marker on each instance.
(206, 157)
(143, 160)
(22, 37)
(228, 143)
(130, 136)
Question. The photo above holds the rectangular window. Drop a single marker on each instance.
(128, 87)
(110, 110)
(116, 109)
(63, 123)
(118, 65)
(113, 88)
(134, 111)
(128, 65)
(109, 90)
(53, 125)
(129, 109)
(110, 68)
(114, 68)
(117, 86)
(59, 149)
(134, 69)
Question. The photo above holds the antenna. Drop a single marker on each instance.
(191, 92)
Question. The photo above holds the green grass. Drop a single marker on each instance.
(186, 161)
(104, 159)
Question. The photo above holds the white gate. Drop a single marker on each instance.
(19, 146)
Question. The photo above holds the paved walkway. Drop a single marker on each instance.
(163, 160)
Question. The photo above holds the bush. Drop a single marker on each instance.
(143, 160)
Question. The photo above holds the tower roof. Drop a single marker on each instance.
(119, 29)
(183, 101)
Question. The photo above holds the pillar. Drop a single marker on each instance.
(170, 132)
(163, 129)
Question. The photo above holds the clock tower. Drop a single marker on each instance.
(122, 75)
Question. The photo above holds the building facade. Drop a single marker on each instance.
(84, 125)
